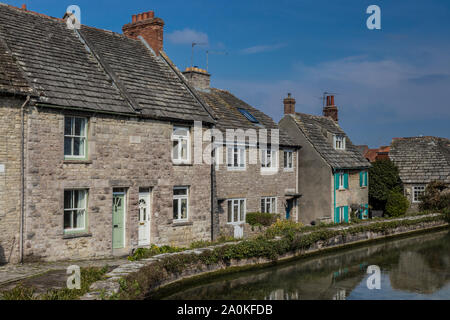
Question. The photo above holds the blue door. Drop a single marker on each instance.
(289, 206)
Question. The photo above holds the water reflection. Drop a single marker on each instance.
(412, 268)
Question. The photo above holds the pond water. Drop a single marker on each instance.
(411, 268)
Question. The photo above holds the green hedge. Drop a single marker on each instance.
(261, 219)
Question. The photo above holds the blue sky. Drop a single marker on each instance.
(392, 82)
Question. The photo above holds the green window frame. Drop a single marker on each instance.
(75, 211)
(75, 138)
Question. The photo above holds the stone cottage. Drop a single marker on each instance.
(420, 160)
(255, 175)
(332, 174)
(95, 141)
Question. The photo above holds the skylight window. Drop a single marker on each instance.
(248, 115)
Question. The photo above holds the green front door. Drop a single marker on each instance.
(118, 220)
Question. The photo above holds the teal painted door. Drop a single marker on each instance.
(118, 221)
(289, 206)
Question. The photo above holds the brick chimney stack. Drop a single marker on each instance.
(198, 78)
(150, 28)
(289, 105)
(330, 110)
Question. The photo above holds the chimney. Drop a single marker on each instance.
(289, 105)
(24, 7)
(198, 78)
(150, 28)
(330, 110)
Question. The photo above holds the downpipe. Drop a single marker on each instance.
(22, 178)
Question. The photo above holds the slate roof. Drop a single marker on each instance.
(91, 69)
(421, 159)
(315, 129)
(225, 106)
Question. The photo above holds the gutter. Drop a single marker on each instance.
(22, 177)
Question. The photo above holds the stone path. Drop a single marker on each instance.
(11, 274)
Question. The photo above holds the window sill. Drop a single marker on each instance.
(236, 169)
(182, 223)
(182, 164)
(74, 161)
(288, 170)
(342, 189)
(77, 235)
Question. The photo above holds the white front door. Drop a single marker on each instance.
(144, 218)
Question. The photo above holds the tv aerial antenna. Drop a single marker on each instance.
(193, 45)
(325, 94)
(208, 52)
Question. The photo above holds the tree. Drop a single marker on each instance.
(397, 204)
(436, 197)
(383, 179)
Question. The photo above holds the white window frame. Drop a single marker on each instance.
(364, 179)
(73, 136)
(288, 166)
(341, 181)
(179, 198)
(273, 159)
(239, 151)
(273, 204)
(176, 159)
(71, 211)
(341, 214)
(421, 191)
(339, 142)
(236, 202)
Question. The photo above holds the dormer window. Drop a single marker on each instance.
(339, 142)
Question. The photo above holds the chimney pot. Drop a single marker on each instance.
(330, 110)
(152, 30)
(289, 105)
(24, 7)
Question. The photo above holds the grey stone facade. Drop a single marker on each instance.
(10, 178)
(252, 184)
(114, 162)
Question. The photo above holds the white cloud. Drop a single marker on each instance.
(187, 36)
(262, 48)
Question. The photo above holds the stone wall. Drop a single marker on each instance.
(251, 184)
(10, 178)
(125, 153)
(105, 288)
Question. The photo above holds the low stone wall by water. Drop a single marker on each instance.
(110, 286)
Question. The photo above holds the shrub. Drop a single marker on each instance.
(397, 204)
(436, 197)
(383, 178)
(144, 253)
(283, 228)
(261, 219)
